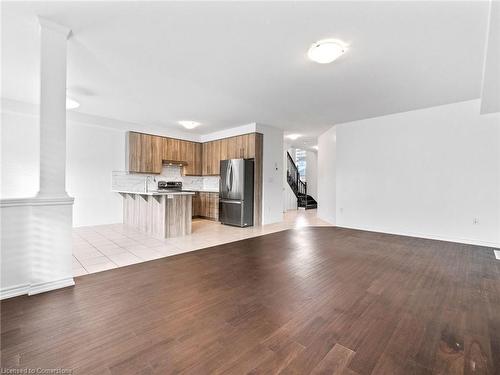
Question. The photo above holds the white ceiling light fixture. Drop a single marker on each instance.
(71, 103)
(326, 51)
(293, 137)
(189, 124)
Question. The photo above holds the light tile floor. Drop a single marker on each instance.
(103, 247)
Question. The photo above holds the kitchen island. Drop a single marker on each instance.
(158, 213)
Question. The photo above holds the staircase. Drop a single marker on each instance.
(298, 186)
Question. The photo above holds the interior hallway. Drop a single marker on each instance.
(104, 247)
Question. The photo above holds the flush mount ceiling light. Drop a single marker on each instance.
(326, 51)
(71, 103)
(293, 137)
(189, 124)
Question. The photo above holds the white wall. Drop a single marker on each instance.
(20, 151)
(16, 231)
(231, 132)
(35, 239)
(290, 200)
(272, 160)
(312, 173)
(490, 93)
(272, 174)
(92, 153)
(425, 173)
(288, 196)
(327, 145)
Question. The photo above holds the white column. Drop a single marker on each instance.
(53, 39)
(51, 247)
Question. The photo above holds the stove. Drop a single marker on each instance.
(169, 185)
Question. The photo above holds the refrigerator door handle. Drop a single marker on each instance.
(226, 178)
(231, 176)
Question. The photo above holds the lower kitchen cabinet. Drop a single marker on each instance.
(207, 205)
(196, 205)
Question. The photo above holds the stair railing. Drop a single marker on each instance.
(298, 186)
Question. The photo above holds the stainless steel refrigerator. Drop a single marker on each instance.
(236, 192)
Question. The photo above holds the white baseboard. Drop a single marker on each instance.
(19, 290)
(428, 236)
(14, 291)
(325, 217)
(50, 285)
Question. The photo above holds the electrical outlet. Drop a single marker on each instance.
(475, 220)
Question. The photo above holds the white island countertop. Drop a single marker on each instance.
(154, 192)
(202, 190)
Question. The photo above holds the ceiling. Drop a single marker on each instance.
(227, 64)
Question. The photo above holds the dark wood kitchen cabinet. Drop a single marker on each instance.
(196, 205)
(147, 152)
(209, 205)
(190, 152)
(239, 147)
(198, 155)
(171, 149)
(144, 153)
(211, 158)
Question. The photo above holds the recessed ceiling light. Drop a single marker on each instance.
(293, 136)
(71, 103)
(327, 50)
(189, 124)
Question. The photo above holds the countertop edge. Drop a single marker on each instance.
(152, 193)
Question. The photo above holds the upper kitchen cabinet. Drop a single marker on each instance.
(246, 146)
(204, 155)
(190, 152)
(198, 155)
(147, 152)
(172, 149)
(240, 147)
(211, 157)
(227, 149)
(144, 153)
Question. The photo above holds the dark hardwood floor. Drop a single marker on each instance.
(313, 300)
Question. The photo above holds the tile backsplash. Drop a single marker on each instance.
(173, 173)
(137, 181)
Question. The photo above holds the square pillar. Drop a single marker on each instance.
(52, 209)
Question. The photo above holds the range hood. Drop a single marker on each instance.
(175, 162)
